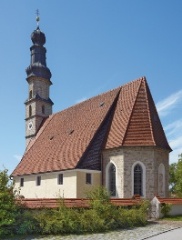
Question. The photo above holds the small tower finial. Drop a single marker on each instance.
(37, 18)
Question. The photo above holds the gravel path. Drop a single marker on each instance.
(173, 234)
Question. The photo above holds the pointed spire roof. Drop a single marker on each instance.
(76, 137)
(136, 121)
(38, 66)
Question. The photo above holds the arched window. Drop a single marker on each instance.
(30, 111)
(43, 109)
(138, 180)
(112, 180)
(39, 91)
(30, 94)
(161, 180)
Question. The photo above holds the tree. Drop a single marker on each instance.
(172, 177)
(175, 172)
(8, 208)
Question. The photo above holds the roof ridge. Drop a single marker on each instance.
(88, 99)
(100, 94)
(149, 113)
(129, 119)
(143, 78)
(153, 131)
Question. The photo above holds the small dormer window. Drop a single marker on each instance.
(30, 94)
(70, 131)
(101, 104)
(51, 137)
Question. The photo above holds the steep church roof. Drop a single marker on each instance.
(76, 136)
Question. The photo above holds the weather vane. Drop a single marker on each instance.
(37, 17)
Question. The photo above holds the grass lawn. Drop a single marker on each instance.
(173, 218)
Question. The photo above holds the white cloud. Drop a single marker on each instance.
(17, 157)
(173, 132)
(174, 128)
(176, 143)
(166, 105)
(175, 153)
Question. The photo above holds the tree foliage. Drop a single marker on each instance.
(8, 208)
(175, 172)
(101, 216)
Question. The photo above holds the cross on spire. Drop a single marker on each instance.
(37, 18)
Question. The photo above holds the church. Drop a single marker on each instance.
(115, 140)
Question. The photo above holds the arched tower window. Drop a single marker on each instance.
(39, 91)
(30, 94)
(138, 180)
(161, 180)
(30, 111)
(43, 109)
(112, 180)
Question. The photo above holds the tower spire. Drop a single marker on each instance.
(38, 105)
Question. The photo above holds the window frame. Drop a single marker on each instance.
(88, 178)
(138, 180)
(60, 179)
(43, 109)
(38, 181)
(22, 182)
(161, 180)
(112, 179)
(30, 110)
(107, 180)
(30, 94)
(143, 178)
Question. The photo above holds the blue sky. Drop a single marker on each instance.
(92, 46)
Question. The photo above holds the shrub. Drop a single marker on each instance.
(165, 209)
(101, 216)
(26, 222)
(8, 208)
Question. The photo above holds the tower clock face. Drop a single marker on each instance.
(30, 125)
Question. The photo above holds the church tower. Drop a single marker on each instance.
(38, 105)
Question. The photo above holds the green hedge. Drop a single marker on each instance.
(100, 217)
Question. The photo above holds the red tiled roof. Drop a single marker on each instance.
(34, 203)
(136, 121)
(173, 201)
(75, 137)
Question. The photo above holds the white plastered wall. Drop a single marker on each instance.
(50, 188)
